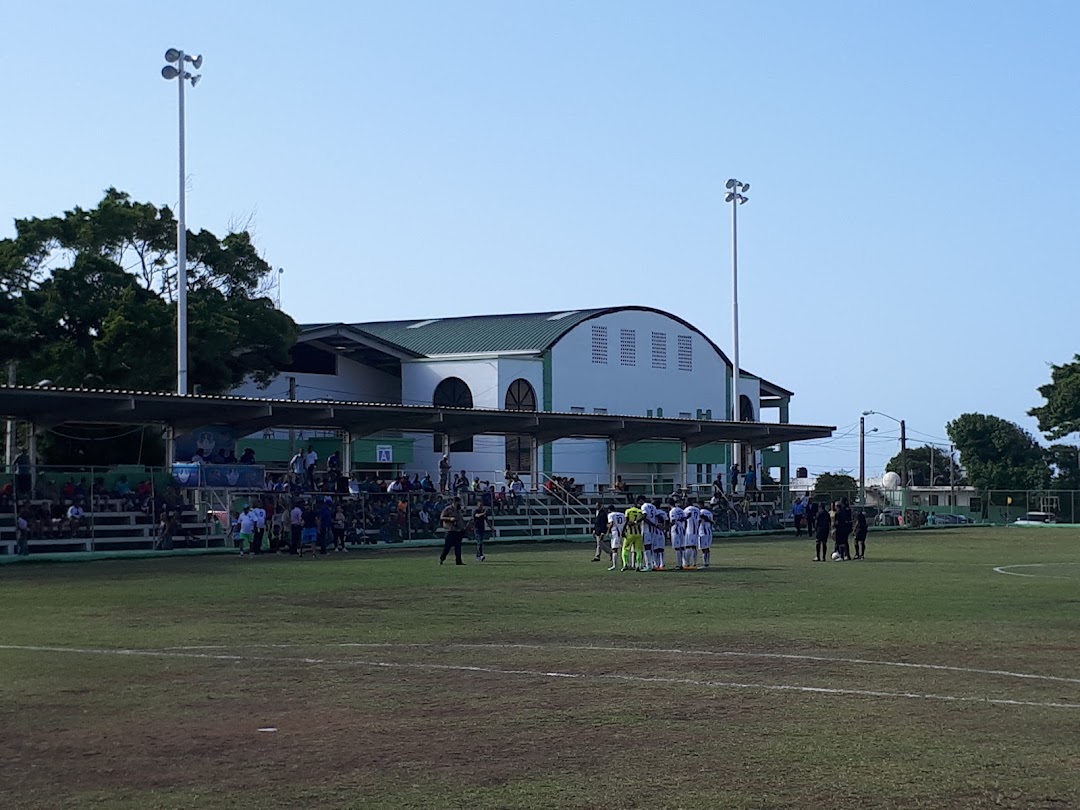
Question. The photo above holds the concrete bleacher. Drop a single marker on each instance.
(116, 527)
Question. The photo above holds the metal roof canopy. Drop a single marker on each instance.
(48, 407)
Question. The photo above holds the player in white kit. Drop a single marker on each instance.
(693, 528)
(659, 539)
(648, 534)
(616, 522)
(705, 531)
(678, 534)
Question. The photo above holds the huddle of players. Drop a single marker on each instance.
(642, 532)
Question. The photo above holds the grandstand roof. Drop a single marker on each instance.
(47, 407)
(528, 332)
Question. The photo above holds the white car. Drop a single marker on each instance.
(1036, 519)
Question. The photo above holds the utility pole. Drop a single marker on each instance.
(952, 478)
(862, 461)
(903, 454)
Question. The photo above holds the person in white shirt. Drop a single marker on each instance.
(678, 535)
(247, 529)
(296, 526)
(311, 458)
(616, 528)
(705, 533)
(75, 516)
(693, 529)
(260, 529)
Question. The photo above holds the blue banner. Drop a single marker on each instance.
(225, 476)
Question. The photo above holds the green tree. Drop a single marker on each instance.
(88, 298)
(833, 486)
(919, 466)
(998, 454)
(1064, 459)
(1060, 416)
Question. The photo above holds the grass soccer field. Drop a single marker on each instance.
(922, 677)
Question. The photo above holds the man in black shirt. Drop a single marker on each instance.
(600, 530)
(822, 524)
(481, 517)
(844, 524)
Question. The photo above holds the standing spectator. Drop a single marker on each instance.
(517, 492)
(733, 477)
(444, 473)
(326, 524)
(260, 529)
(750, 479)
(811, 516)
(309, 536)
(296, 466)
(600, 531)
(798, 512)
(23, 478)
(454, 525)
(339, 529)
(247, 528)
(333, 465)
(311, 458)
(481, 519)
(22, 534)
(718, 487)
(296, 526)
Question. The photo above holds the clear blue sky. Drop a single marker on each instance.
(909, 245)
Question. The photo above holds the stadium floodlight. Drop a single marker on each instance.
(182, 75)
(736, 198)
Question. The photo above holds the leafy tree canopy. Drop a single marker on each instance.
(835, 486)
(919, 466)
(88, 298)
(1060, 416)
(998, 454)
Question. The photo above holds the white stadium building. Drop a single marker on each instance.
(631, 361)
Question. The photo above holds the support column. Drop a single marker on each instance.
(170, 446)
(613, 450)
(534, 463)
(31, 446)
(684, 466)
(346, 453)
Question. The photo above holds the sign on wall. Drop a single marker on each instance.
(384, 453)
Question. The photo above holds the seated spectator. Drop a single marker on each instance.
(76, 519)
(501, 501)
(426, 484)
(248, 456)
(231, 458)
(68, 491)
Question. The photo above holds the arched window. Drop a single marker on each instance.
(520, 396)
(746, 409)
(453, 392)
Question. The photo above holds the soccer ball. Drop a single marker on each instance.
(836, 555)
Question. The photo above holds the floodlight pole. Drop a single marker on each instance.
(181, 258)
(862, 461)
(736, 198)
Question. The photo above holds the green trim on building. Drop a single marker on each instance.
(669, 452)
(276, 451)
(547, 450)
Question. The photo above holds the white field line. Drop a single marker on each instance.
(654, 650)
(819, 690)
(1003, 569)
